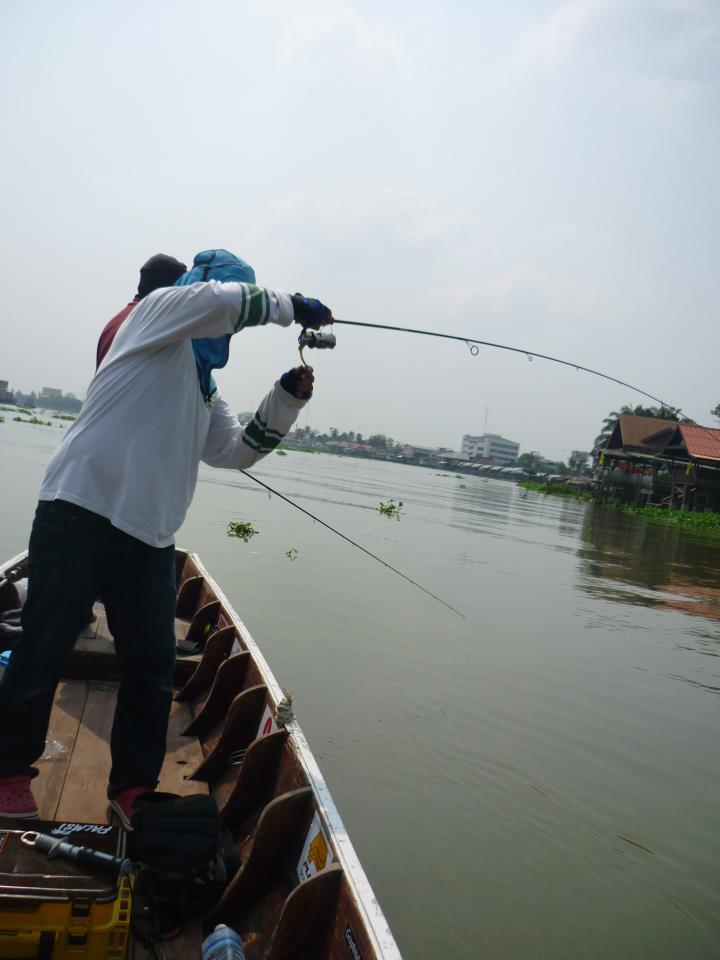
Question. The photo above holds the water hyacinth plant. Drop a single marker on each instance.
(243, 529)
(43, 423)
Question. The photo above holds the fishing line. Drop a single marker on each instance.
(472, 345)
(354, 544)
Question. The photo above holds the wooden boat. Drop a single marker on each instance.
(300, 891)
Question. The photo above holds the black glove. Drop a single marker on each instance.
(309, 312)
(298, 382)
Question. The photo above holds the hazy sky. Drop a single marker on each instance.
(543, 175)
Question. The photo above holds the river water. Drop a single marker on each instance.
(538, 780)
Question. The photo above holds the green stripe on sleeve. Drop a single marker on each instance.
(255, 308)
(266, 301)
(255, 432)
(243, 296)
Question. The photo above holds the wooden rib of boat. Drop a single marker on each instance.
(300, 891)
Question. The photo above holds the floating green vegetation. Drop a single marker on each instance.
(2, 419)
(706, 523)
(281, 453)
(242, 529)
(291, 554)
(63, 416)
(44, 423)
(8, 409)
(390, 509)
(556, 489)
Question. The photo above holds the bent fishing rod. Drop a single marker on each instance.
(354, 544)
(473, 347)
(318, 339)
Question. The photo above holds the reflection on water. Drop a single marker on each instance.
(674, 571)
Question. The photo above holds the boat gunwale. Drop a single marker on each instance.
(363, 895)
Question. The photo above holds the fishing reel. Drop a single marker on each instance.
(315, 340)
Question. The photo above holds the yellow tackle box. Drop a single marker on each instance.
(56, 909)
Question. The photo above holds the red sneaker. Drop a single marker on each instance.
(16, 799)
(123, 803)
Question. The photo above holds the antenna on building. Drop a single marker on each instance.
(486, 416)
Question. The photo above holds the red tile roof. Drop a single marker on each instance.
(703, 443)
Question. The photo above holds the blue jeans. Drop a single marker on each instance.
(74, 557)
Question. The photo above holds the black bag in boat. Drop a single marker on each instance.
(184, 851)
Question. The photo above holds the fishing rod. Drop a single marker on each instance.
(328, 527)
(473, 347)
(323, 340)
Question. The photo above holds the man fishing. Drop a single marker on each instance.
(114, 494)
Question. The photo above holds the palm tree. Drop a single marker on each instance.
(530, 462)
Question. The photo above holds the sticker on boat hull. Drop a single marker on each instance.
(65, 829)
(316, 853)
(352, 946)
(267, 722)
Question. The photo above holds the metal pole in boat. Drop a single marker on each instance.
(54, 847)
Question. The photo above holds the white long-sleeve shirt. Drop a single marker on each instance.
(133, 453)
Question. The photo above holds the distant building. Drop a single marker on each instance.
(661, 462)
(48, 392)
(490, 446)
(5, 395)
(429, 455)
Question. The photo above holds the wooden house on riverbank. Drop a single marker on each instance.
(661, 462)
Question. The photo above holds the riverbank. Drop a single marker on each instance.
(705, 523)
(557, 489)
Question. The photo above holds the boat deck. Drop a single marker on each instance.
(71, 784)
(80, 725)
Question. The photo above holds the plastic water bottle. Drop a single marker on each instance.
(4, 661)
(223, 944)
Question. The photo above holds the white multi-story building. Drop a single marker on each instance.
(490, 445)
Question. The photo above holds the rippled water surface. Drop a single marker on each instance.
(538, 780)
